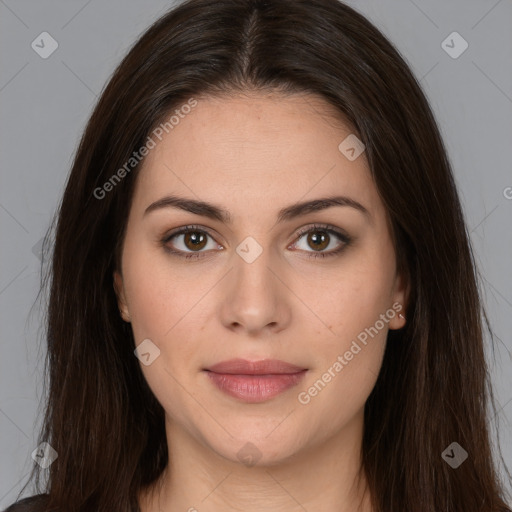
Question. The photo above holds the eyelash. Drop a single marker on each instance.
(347, 240)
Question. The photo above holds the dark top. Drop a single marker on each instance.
(36, 504)
(31, 504)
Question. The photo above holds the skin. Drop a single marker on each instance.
(254, 154)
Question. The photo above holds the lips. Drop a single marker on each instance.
(256, 381)
(263, 367)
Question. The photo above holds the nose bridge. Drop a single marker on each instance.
(254, 299)
(252, 276)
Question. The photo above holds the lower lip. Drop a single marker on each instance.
(255, 388)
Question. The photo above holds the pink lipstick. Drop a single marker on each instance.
(255, 381)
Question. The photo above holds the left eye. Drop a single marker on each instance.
(321, 240)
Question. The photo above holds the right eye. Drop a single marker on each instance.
(189, 242)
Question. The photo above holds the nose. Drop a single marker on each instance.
(256, 300)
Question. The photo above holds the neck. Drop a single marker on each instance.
(325, 476)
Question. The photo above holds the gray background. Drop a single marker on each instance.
(46, 102)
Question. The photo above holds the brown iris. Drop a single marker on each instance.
(196, 239)
(319, 241)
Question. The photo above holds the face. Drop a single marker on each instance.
(258, 277)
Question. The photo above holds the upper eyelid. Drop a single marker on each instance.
(325, 227)
(184, 229)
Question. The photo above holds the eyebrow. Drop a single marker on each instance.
(290, 212)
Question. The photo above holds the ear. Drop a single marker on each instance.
(120, 294)
(400, 300)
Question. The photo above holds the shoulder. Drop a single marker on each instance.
(32, 504)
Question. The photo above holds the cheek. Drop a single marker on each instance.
(161, 309)
(165, 306)
(354, 297)
(352, 339)
(346, 371)
(154, 292)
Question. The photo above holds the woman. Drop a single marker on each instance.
(263, 296)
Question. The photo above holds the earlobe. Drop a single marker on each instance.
(401, 299)
(399, 319)
(121, 301)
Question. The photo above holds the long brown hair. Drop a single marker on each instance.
(434, 387)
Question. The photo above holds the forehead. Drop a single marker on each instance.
(255, 149)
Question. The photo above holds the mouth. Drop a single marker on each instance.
(257, 381)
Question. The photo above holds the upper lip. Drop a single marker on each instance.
(263, 367)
